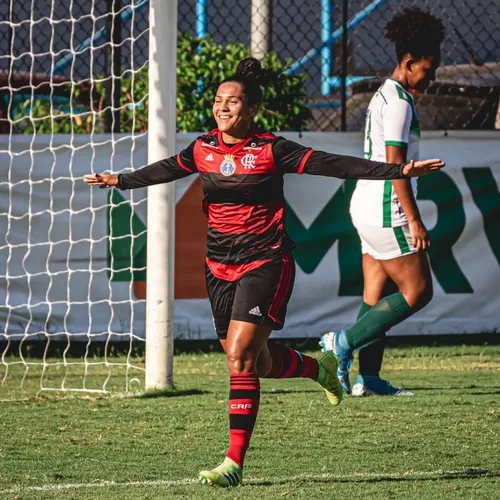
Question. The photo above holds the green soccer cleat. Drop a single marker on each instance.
(327, 377)
(226, 475)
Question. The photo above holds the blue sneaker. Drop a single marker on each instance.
(329, 342)
(372, 385)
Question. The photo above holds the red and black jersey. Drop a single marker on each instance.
(243, 188)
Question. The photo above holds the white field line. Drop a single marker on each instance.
(301, 477)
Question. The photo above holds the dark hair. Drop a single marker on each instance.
(415, 31)
(253, 77)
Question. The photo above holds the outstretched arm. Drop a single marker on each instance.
(350, 167)
(294, 158)
(160, 172)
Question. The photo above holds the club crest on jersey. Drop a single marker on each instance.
(228, 166)
(248, 161)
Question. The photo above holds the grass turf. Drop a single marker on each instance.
(443, 442)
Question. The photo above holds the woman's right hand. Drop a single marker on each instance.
(419, 235)
(101, 180)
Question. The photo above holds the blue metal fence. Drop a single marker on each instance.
(308, 34)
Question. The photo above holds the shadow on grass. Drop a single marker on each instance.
(443, 476)
(291, 391)
(171, 393)
(458, 388)
(488, 393)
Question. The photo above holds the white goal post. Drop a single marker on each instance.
(161, 199)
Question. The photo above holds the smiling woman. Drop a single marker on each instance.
(249, 266)
(238, 99)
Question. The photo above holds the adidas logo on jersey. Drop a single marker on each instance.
(255, 311)
(210, 157)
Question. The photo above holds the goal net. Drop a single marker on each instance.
(73, 85)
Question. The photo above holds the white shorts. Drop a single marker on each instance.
(385, 243)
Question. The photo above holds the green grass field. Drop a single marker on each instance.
(443, 443)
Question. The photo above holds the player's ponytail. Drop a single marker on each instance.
(253, 77)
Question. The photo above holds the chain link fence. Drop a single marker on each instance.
(50, 43)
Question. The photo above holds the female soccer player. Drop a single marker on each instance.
(249, 266)
(385, 213)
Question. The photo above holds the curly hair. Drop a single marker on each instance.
(415, 31)
(252, 76)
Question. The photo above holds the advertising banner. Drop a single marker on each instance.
(73, 258)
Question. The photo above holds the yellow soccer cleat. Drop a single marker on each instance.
(226, 475)
(328, 379)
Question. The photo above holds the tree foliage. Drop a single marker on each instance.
(201, 65)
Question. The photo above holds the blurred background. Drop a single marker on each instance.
(101, 48)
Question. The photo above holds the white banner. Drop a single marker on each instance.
(59, 273)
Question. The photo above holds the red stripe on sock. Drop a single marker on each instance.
(279, 353)
(238, 445)
(311, 368)
(294, 362)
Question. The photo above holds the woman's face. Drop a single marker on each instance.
(421, 72)
(231, 111)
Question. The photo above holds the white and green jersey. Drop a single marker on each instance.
(391, 120)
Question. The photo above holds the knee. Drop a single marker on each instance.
(240, 361)
(419, 295)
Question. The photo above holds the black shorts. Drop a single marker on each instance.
(260, 296)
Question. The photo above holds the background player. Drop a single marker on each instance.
(249, 267)
(385, 213)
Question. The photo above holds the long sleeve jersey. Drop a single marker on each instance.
(243, 191)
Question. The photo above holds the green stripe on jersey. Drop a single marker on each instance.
(368, 130)
(401, 238)
(406, 96)
(386, 204)
(396, 143)
(415, 126)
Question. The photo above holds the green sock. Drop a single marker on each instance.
(386, 313)
(363, 309)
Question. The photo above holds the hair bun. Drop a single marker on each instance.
(251, 69)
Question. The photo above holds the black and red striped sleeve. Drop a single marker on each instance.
(294, 158)
(167, 170)
(290, 157)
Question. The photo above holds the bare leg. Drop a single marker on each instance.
(237, 345)
(243, 346)
(411, 274)
(375, 278)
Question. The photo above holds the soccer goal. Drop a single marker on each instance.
(74, 80)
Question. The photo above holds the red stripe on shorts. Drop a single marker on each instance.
(282, 290)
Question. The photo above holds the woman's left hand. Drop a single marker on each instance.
(422, 167)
